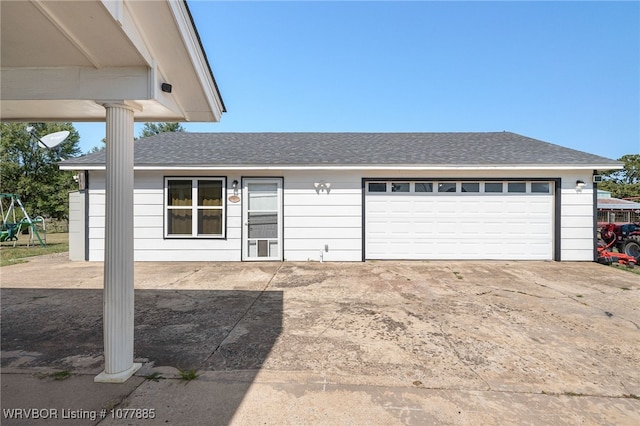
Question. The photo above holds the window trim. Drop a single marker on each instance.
(195, 208)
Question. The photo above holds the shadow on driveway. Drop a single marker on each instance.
(214, 330)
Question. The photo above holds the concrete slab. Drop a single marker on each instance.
(326, 343)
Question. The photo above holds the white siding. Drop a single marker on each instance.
(576, 219)
(311, 219)
(77, 225)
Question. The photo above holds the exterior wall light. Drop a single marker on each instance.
(234, 185)
(579, 185)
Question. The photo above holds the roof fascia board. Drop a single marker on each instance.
(196, 53)
(328, 167)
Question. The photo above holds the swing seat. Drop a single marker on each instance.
(9, 232)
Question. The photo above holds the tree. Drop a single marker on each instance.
(32, 172)
(151, 129)
(623, 183)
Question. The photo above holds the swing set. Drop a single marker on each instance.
(11, 227)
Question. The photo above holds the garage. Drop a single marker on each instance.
(510, 219)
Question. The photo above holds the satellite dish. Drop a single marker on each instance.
(53, 139)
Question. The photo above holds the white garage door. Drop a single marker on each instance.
(500, 220)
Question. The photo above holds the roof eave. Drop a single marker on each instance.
(205, 167)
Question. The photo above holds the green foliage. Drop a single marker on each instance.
(32, 172)
(61, 375)
(98, 148)
(151, 129)
(620, 190)
(188, 375)
(623, 183)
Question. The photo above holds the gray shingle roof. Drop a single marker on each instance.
(347, 149)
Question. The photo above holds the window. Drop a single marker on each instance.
(474, 187)
(447, 187)
(424, 187)
(377, 187)
(517, 187)
(493, 187)
(400, 187)
(470, 186)
(540, 187)
(195, 207)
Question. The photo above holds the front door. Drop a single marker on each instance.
(262, 219)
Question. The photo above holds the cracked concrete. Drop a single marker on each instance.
(325, 343)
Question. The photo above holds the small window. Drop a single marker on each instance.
(424, 187)
(519, 187)
(447, 187)
(540, 187)
(493, 187)
(470, 187)
(195, 207)
(400, 187)
(377, 187)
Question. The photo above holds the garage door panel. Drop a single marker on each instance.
(459, 226)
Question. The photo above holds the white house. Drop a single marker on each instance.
(347, 197)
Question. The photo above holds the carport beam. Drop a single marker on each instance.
(118, 247)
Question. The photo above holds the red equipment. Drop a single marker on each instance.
(626, 238)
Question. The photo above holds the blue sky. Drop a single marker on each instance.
(563, 72)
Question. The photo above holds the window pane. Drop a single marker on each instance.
(447, 187)
(179, 221)
(493, 187)
(542, 187)
(400, 187)
(209, 193)
(179, 193)
(377, 187)
(263, 225)
(424, 187)
(263, 196)
(209, 222)
(470, 187)
(517, 187)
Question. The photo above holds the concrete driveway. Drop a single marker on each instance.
(331, 343)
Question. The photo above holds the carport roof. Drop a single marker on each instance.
(348, 150)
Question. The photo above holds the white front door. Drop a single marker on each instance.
(262, 219)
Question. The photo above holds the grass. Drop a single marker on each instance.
(61, 375)
(635, 270)
(188, 375)
(155, 376)
(9, 255)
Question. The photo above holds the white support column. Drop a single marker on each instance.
(118, 254)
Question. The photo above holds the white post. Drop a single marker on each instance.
(118, 250)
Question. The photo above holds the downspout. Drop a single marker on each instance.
(85, 192)
(595, 217)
